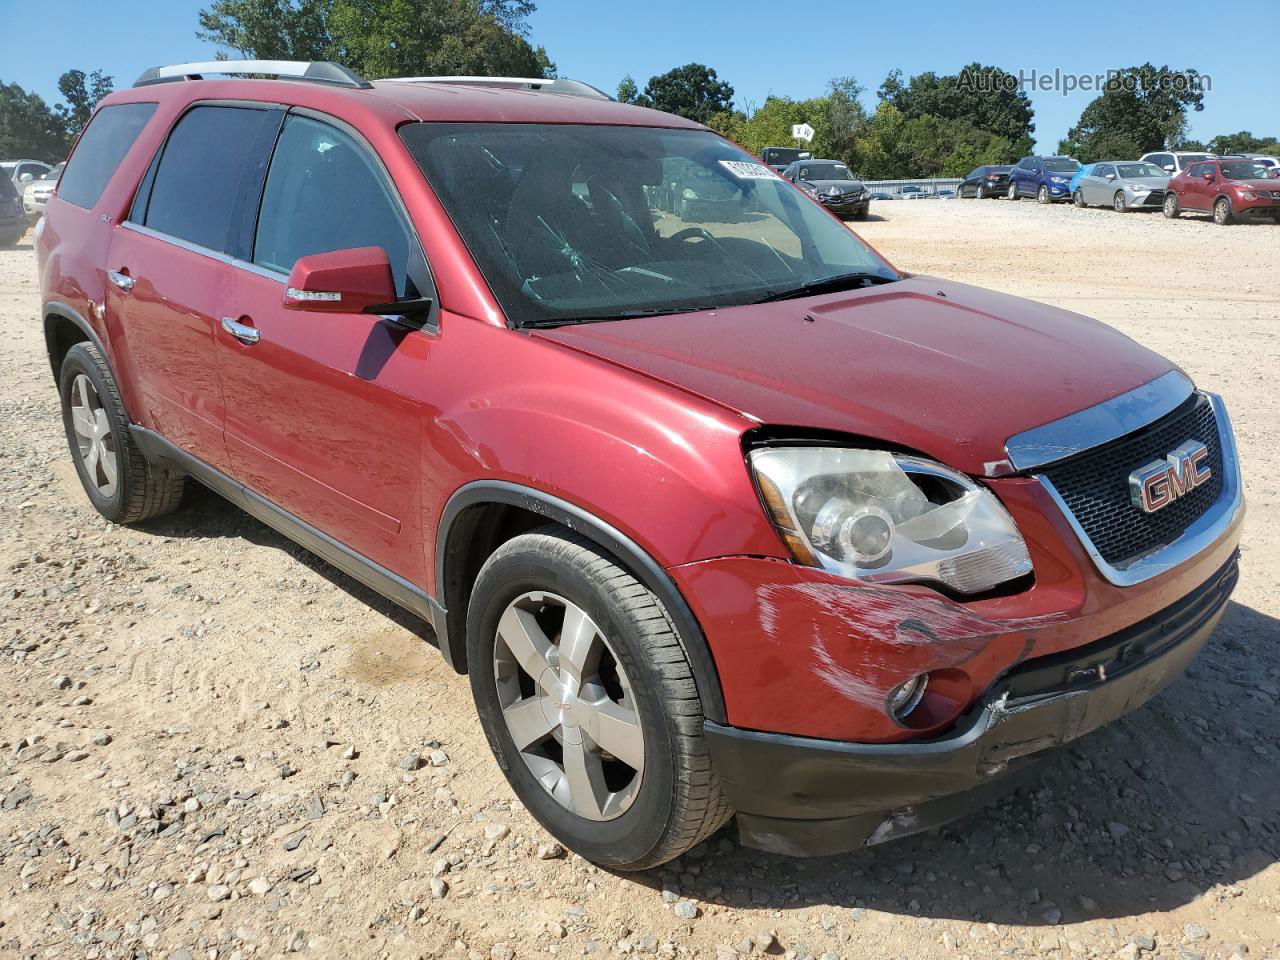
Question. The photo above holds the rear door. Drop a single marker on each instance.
(169, 262)
(323, 410)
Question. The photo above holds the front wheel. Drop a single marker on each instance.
(1170, 206)
(1078, 197)
(120, 483)
(1042, 195)
(1118, 203)
(589, 703)
(1013, 191)
(1222, 213)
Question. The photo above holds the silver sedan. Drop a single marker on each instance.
(1122, 185)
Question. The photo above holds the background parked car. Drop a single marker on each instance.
(1123, 185)
(22, 172)
(780, 157)
(1174, 162)
(13, 222)
(985, 181)
(911, 192)
(38, 192)
(1045, 178)
(1227, 189)
(832, 185)
(881, 195)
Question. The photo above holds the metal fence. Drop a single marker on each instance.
(928, 187)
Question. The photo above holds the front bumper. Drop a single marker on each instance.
(1059, 191)
(806, 797)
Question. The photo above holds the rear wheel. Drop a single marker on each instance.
(1118, 203)
(1042, 195)
(1222, 213)
(589, 703)
(1170, 206)
(120, 483)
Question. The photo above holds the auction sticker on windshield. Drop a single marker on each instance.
(746, 170)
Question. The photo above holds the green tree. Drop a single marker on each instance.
(693, 91)
(1243, 142)
(985, 97)
(383, 38)
(81, 92)
(628, 92)
(29, 127)
(1141, 109)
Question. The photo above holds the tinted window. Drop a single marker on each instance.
(1197, 170)
(7, 190)
(200, 172)
(103, 145)
(324, 193)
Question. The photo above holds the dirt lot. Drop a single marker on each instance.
(213, 745)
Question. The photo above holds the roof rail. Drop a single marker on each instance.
(575, 88)
(321, 71)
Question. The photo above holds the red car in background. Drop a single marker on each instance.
(1226, 189)
(717, 520)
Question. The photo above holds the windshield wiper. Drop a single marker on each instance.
(842, 281)
(621, 315)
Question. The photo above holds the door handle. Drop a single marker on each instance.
(121, 280)
(243, 332)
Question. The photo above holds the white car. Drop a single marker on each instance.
(1173, 162)
(36, 197)
(22, 172)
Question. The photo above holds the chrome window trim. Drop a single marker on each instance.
(1099, 424)
(1203, 532)
(205, 252)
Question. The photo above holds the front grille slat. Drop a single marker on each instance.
(1095, 484)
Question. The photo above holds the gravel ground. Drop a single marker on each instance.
(213, 745)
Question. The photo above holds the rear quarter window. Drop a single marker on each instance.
(102, 146)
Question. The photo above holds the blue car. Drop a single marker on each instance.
(1080, 174)
(1045, 178)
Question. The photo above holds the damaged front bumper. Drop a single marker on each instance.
(807, 797)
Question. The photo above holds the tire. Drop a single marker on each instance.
(979, 192)
(1013, 191)
(1078, 198)
(1222, 213)
(1042, 195)
(657, 811)
(93, 416)
(11, 240)
(1170, 206)
(1118, 203)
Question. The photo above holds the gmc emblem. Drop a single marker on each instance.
(1161, 482)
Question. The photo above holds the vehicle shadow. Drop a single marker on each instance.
(204, 514)
(1170, 803)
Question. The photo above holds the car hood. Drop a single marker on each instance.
(943, 368)
(844, 186)
(1153, 183)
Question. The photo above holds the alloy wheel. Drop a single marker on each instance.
(1222, 211)
(94, 441)
(1170, 206)
(1117, 202)
(1043, 194)
(568, 705)
(1079, 198)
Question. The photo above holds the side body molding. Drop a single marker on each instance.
(449, 574)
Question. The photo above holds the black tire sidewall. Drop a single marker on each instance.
(79, 360)
(632, 836)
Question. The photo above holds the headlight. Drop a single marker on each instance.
(1059, 179)
(880, 517)
(689, 194)
(1248, 195)
(1137, 188)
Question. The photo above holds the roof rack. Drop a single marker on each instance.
(575, 88)
(320, 71)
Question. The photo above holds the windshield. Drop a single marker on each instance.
(1189, 158)
(573, 222)
(6, 170)
(1130, 170)
(1244, 170)
(781, 156)
(824, 171)
(1061, 165)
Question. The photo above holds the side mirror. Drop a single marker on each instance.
(26, 178)
(345, 281)
(1170, 167)
(1111, 176)
(1209, 176)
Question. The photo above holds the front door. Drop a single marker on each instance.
(324, 409)
(168, 268)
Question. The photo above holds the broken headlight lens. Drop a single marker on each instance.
(881, 517)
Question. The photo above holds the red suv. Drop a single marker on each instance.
(720, 516)
(1229, 189)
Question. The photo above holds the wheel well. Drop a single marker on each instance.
(473, 536)
(60, 335)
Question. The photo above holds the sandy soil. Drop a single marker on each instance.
(205, 732)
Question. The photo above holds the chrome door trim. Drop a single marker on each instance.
(1203, 532)
(1099, 424)
(205, 252)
